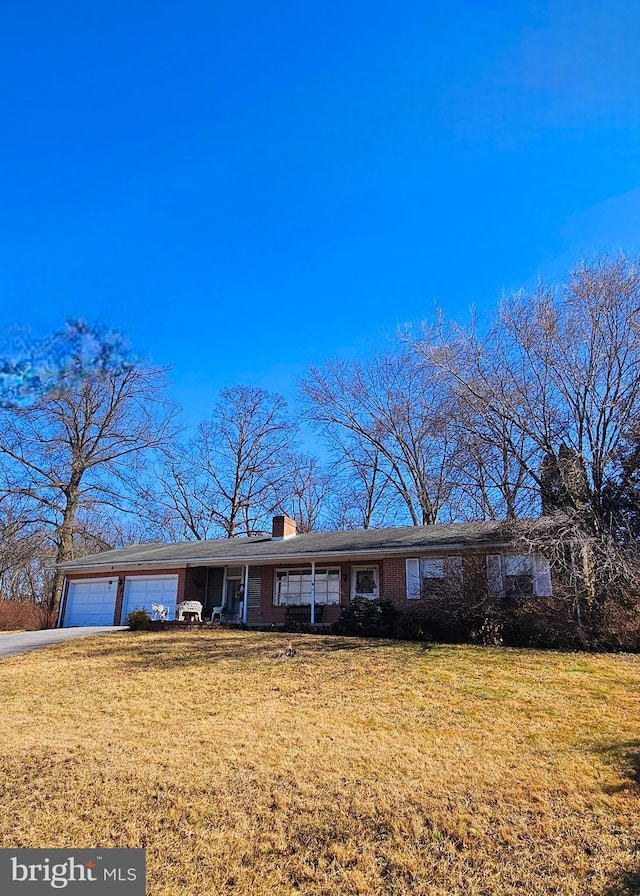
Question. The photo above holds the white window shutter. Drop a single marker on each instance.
(255, 584)
(494, 575)
(413, 579)
(541, 576)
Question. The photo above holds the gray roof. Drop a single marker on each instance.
(328, 545)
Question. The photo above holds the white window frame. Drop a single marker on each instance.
(322, 578)
(541, 584)
(421, 570)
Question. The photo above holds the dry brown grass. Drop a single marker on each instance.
(354, 767)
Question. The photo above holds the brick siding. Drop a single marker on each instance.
(392, 585)
(393, 580)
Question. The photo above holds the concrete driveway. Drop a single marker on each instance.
(13, 643)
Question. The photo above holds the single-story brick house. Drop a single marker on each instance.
(305, 577)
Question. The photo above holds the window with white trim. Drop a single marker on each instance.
(515, 575)
(432, 576)
(518, 576)
(293, 586)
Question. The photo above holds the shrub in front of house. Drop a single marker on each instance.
(368, 618)
(412, 625)
(139, 621)
(378, 618)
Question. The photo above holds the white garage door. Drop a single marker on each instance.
(140, 592)
(91, 602)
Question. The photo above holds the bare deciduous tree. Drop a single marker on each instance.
(492, 483)
(400, 411)
(554, 387)
(556, 371)
(306, 492)
(363, 495)
(23, 553)
(234, 473)
(179, 497)
(244, 451)
(79, 446)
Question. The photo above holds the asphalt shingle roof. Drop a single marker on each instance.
(264, 549)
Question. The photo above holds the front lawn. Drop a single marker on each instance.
(353, 767)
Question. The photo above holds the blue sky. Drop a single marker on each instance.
(247, 187)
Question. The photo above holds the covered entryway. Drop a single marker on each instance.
(233, 595)
(91, 602)
(140, 592)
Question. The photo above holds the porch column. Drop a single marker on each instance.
(246, 594)
(313, 592)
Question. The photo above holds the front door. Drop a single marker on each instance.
(364, 582)
(234, 599)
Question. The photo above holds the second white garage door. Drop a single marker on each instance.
(140, 592)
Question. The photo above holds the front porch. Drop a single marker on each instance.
(273, 596)
(221, 591)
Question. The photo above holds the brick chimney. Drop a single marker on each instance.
(282, 528)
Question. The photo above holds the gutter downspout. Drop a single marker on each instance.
(246, 594)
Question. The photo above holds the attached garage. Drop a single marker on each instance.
(140, 592)
(91, 602)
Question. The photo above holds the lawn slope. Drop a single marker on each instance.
(353, 767)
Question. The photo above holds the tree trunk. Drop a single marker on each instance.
(64, 551)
